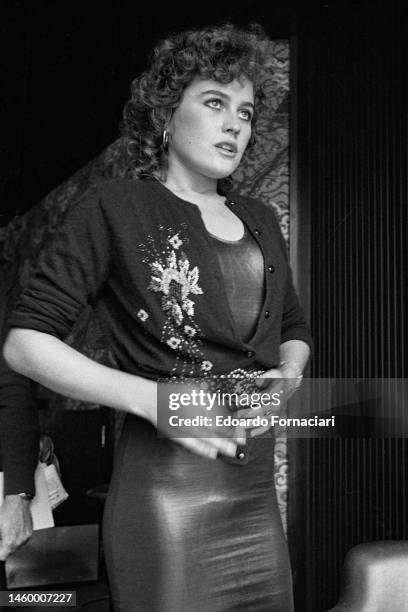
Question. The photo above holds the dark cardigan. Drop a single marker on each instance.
(143, 258)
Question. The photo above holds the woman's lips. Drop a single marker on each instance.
(227, 148)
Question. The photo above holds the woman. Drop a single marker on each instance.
(188, 280)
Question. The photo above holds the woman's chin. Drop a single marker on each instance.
(222, 171)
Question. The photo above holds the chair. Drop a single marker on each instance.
(375, 578)
(63, 559)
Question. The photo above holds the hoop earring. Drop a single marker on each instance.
(165, 140)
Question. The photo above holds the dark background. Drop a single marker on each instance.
(67, 69)
(66, 74)
(350, 138)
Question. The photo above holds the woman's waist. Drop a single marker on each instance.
(163, 451)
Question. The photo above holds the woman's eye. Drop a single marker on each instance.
(245, 114)
(214, 103)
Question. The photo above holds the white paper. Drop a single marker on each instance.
(56, 492)
(40, 506)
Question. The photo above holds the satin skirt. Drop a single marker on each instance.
(183, 533)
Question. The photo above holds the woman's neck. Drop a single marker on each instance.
(205, 199)
(184, 183)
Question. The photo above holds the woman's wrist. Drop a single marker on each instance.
(141, 397)
(291, 369)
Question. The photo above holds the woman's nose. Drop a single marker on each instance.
(232, 127)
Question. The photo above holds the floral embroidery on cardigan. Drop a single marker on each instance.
(173, 342)
(175, 241)
(190, 331)
(177, 282)
(206, 366)
(142, 315)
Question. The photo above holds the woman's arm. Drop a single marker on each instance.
(62, 369)
(294, 355)
(55, 365)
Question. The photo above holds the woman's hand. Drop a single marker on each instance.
(284, 382)
(185, 417)
(16, 525)
(280, 384)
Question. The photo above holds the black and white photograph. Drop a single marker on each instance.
(203, 306)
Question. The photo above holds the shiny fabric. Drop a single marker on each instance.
(188, 534)
(242, 268)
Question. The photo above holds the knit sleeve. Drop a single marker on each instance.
(19, 432)
(71, 270)
(294, 324)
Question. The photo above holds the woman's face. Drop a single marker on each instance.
(211, 127)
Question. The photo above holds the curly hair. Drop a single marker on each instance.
(221, 53)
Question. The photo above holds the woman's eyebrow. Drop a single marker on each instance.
(221, 94)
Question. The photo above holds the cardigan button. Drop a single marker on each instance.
(257, 232)
(241, 455)
(267, 314)
(271, 269)
(232, 203)
(250, 353)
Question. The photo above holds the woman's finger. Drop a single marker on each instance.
(197, 446)
(257, 431)
(208, 447)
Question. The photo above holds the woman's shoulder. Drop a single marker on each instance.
(107, 188)
(113, 195)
